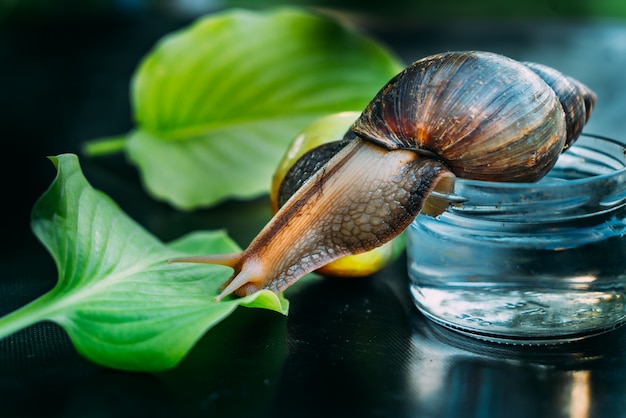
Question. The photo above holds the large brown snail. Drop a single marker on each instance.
(470, 114)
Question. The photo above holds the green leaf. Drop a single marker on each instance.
(122, 305)
(217, 103)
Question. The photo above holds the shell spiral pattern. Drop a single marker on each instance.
(485, 116)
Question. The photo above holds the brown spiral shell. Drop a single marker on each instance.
(486, 116)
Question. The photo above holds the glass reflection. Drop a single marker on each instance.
(580, 394)
(452, 375)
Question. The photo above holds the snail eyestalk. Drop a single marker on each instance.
(361, 198)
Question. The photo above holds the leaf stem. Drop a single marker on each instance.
(103, 146)
(36, 311)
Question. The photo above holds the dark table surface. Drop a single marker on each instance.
(366, 351)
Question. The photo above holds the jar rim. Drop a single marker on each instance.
(588, 179)
(547, 181)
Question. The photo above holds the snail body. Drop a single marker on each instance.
(328, 129)
(469, 114)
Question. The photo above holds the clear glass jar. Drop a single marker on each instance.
(528, 263)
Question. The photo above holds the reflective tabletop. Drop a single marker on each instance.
(349, 347)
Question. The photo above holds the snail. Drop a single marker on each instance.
(470, 114)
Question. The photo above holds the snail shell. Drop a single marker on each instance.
(470, 114)
(486, 116)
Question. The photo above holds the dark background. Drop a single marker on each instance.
(64, 78)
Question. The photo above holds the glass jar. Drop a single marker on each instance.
(534, 263)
